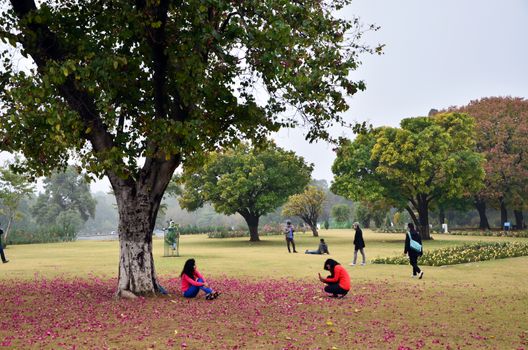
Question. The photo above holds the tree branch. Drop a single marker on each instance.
(43, 45)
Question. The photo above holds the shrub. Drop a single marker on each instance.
(196, 230)
(390, 230)
(50, 234)
(267, 230)
(227, 234)
(463, 254)
(523, 234)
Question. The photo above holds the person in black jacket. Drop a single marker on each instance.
(359, 244)
(2, 255)
(413, 254)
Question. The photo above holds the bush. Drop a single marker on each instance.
(266, 230)
(227, 234)
(522, 234)
(463, 254)
(197, 230)
(50, 234)
(390, 230)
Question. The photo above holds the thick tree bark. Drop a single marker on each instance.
(481, 208)
(423, 217)
(136, 263)
(519, 219)
(138, 203)
(252, 221)
(504, 212)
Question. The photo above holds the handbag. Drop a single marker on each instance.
(417, 247)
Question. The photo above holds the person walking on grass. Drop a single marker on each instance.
(323, 249)
(288, 233)
(193, 281)
(413, 253)
(2, 255)
(359, 244)
(338, 283)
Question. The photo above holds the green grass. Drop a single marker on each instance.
(239, 257)
(451, 304)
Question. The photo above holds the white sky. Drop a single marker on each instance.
(437, 54)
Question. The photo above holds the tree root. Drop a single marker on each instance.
(125, 294)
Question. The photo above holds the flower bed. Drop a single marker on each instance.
(463, 254)
(523, 234)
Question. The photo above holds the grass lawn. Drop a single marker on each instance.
(60, 296)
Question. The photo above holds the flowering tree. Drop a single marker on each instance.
(501, 129)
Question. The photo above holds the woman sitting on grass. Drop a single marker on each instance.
(338, 283)
(193, 281)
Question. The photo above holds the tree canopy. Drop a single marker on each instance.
(66, 195)
(341, 213)
(412, 166)
(307, 205)
(130, 90)
(247, 180)
(501, 125)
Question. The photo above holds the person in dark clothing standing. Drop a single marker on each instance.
(413, 254)
(4, 260)
(359, 244)
(288, 233)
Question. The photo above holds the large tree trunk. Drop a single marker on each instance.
(423, 217)
(252, 221)
(504, 212)
(519, 219)
(480, 204)
(138, 203)
(136, 263)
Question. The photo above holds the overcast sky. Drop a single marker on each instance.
(438, 54)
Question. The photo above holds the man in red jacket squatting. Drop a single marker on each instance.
(338, 283)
